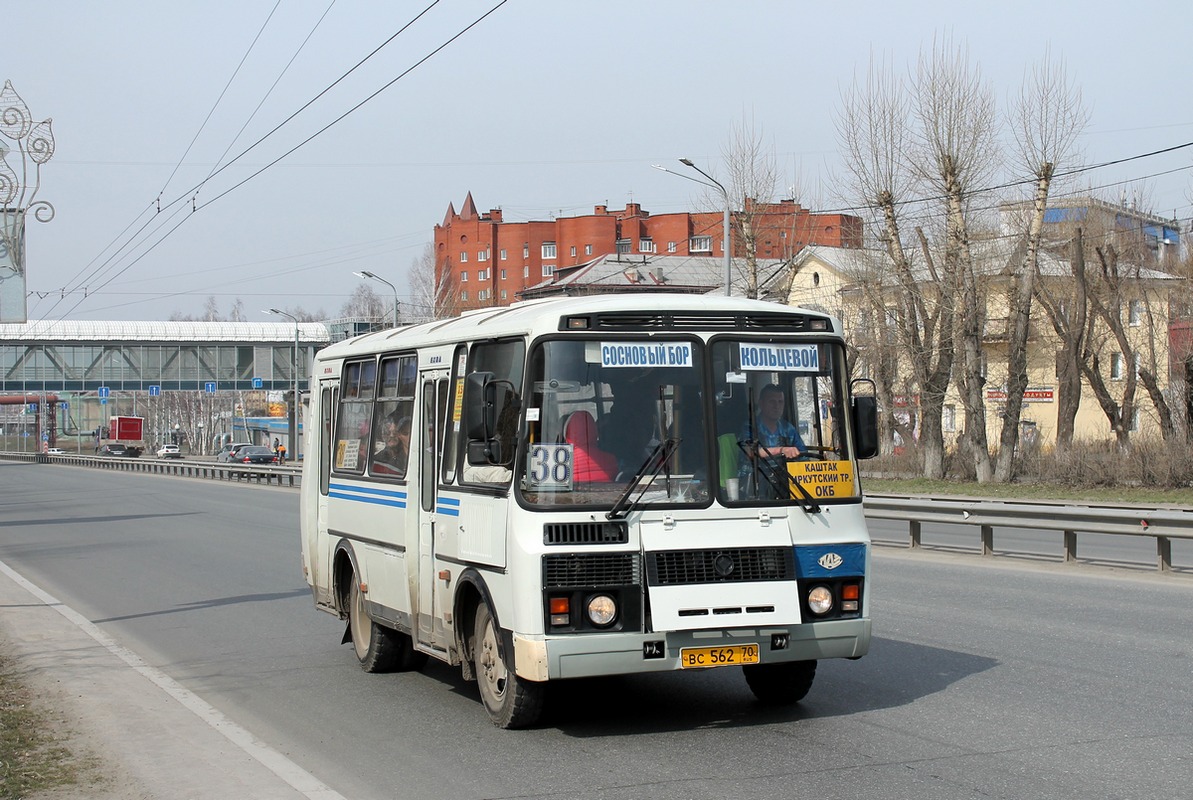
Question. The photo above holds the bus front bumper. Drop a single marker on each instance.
(591, 655)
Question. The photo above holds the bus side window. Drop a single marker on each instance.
(354, 417)
(392, 418)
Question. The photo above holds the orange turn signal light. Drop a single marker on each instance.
(849, 591)
(559, 605)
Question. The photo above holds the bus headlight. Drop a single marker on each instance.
(820, 600)
(602, 610)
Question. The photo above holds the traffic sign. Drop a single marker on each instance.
(258, 383)
(155, 391)
(209, 387)
(32, 407)
(64, 406)
(105, 391)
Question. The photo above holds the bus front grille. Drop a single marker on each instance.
(680, 567)
(610, 532)
(591, 569)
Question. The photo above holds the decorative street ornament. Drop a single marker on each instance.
(20, 181)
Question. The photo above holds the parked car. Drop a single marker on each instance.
(116, 450)
(169, 451)
(228, 452)
(256, 454)
(55, 451)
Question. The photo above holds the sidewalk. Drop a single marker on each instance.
(153, 739)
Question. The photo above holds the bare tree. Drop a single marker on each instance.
(956, 151)
(1119, 287)
(1066, 305)
(211, 310)
(1046, 119)
(364, 302)
(753, 180)
(237, 312)
(431, 288)
(874, 131)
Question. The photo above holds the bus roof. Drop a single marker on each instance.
(643, 313)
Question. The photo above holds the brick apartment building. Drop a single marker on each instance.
(481, 260)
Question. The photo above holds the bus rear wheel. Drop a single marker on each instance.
(512, 702)
(378, 648)
(780, 684)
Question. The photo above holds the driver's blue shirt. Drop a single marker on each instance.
(783, 435)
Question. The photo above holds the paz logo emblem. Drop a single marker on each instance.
(830, 561)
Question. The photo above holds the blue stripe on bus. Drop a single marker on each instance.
(448, 506)
(377, 501)
(365, 494)
(369, 490)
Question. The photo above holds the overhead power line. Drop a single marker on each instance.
(109, 278)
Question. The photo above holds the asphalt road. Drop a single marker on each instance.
(992, 678)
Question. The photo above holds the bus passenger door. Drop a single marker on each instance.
(318, 542)
(430, 440)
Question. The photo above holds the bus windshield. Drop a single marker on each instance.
(603, 413)
(780, 428)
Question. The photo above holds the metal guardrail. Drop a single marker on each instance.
(278, 475)
(1162, 524)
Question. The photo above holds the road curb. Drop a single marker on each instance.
(156, 738)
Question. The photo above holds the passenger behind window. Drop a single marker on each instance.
(392, 459)
(589, 462)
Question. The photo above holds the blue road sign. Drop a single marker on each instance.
(258, 383)
(209, 387)
(155, 391)
(103, 401)
(104, 391)
(32, 407)
(64, 406)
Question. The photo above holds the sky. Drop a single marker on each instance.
(542, 108)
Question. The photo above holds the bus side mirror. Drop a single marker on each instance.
(865, 426)
(480, 406)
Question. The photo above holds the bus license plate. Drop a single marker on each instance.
(727, 656)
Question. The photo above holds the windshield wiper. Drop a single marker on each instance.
(660, 456)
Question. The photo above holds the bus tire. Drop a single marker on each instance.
(780, 684)
(512, 702)
(378, 648)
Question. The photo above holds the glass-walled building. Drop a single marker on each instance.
(198, 382)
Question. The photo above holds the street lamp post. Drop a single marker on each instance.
(687, 162)
(293, 423)
(364, 273)
(716, 184)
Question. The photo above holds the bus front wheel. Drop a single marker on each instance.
(512, 702)
(378, 648)
(780, 684)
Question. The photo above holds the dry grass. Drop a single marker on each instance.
(1147, 473)
(35, 753)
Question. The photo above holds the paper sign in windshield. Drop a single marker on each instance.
(824, 480)
(646, 354)
(784, 358)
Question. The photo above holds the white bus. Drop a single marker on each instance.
(593, 486)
